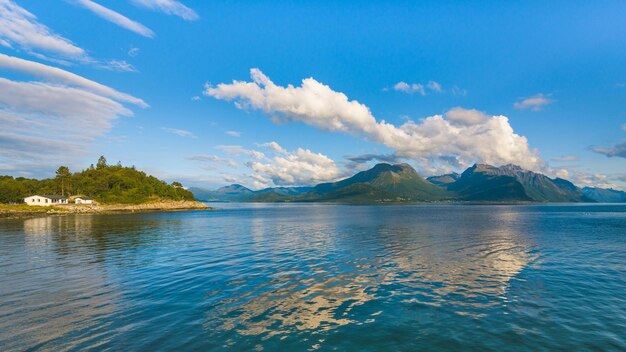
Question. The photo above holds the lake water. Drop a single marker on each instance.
(280, 277)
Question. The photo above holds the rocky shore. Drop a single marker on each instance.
(24, 211)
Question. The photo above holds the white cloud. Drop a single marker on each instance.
(535, 103)
(459, 91)
(409, 88)
(20, 29)
(133, 52)
(178, 132)
(235, 134)
(466, 117)
(116, 18)
(170, 7)
(57, 75)
(434, 86)
(195, 98)
(274, 146)
(565, 158)
(437, 138)
(214, 159)
(302, 167)
(44, 125)
(237, 150)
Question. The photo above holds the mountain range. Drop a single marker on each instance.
(401, 183)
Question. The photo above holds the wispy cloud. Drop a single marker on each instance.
(237, 150)
(115, 17)
(236, 134)
(57, 75)
(450, 138)
(274, 146)
(534, 103)
(214, 159)
(133, 52)
(20, 30)
(565, 158)
(170, 7)
(617, 150)
(178, 132)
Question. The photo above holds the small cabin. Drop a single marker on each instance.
(45, 200)
(83, 200)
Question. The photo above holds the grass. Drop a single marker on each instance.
(26, 208)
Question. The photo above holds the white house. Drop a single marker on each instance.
(45, 200)
(83, 200)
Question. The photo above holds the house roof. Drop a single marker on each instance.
(84, 198)
(53, 196)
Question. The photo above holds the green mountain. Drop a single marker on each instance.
(483, 182)
(605, 195)
(383, 182)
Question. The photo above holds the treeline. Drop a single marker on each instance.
(104, 183)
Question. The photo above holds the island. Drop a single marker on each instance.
(99, 189)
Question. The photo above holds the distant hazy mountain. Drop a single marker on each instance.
(483, 182)
(444, 180)
(605, 195)
(398, 183)
(232, 193)
(239, 193)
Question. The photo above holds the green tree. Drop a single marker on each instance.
(62, 174)
(102, 162)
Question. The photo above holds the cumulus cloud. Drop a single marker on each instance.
(460, 137)
(466, 117)
(409, 88)
(178, 132)
(274, 146)
(115, 17)
(534, 103)
(236, 134)
(170, 7)
(301, 167)
(618, 150)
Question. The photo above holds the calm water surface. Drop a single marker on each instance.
(318, 277)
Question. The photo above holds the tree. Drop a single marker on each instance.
(62, 174)
(102, 162)
(177, 184)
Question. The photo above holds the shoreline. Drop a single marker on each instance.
(24, 211)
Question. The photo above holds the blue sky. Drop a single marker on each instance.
(437, 84)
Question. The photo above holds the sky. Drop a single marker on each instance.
(291, 93)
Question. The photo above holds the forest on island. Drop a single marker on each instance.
(108, 184)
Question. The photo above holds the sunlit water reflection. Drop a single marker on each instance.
(318, 277)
